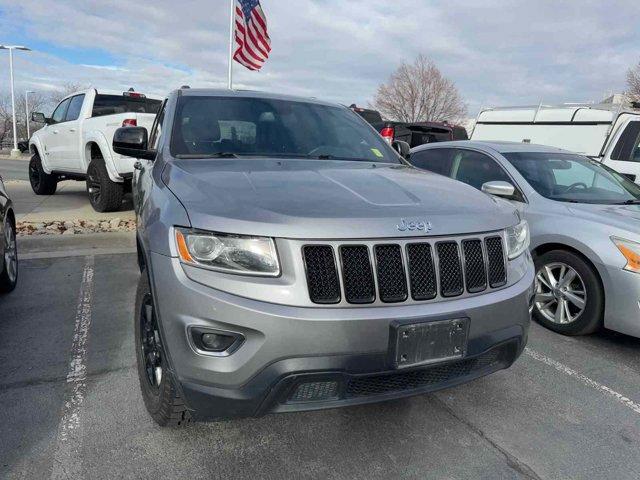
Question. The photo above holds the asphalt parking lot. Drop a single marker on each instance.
(568, 408)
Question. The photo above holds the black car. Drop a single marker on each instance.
(8, 249)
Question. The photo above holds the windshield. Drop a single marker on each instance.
(225, 126)
(567, 177)
(113, 104)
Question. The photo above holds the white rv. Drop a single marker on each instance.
(610, 133)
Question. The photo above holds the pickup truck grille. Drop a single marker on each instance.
(392, 272)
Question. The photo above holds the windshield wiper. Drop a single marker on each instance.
(208, 155)
(633, 201)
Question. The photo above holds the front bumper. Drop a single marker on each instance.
(339, 351)
(622, 299)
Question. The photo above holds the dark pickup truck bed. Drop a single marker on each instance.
(417, 133)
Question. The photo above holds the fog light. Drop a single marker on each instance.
(214, 342)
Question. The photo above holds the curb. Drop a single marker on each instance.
(56, 246)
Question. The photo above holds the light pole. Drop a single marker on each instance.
(15, 152)
(26, 111)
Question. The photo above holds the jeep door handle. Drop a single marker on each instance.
(72, 129)
(137, 165)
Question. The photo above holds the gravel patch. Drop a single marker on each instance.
(75, 227)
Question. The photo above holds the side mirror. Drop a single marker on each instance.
(499, 188)
(402, 148)
(38, 117)
(132, 142)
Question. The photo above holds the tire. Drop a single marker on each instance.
(583, 313)
(161, 397)
(9, 273)
(42, 183)
(104, 195)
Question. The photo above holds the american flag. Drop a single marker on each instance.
(253, 40)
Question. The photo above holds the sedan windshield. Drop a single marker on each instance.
(222, 127)
(567, 177)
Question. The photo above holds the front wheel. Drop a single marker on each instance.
(569, 297)
(9, 273)
(41, 182)
(159, 392)
(104, 195)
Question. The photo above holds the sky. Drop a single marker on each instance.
(496, 52)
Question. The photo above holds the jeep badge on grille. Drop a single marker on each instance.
(406, 225)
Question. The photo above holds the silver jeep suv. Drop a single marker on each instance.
(292, 260)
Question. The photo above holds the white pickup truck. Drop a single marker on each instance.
(76, 144)
(606, 132)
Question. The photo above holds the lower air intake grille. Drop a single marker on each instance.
(392, 281)
(450, 269)
(322, 276)
(397, 382)
(474, 270)
(495, 255)
(315, 391)
(357, 274)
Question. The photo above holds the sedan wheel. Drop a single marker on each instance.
(569, 296)
(561, 295)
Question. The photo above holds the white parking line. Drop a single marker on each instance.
(627, 402)
(66, 462)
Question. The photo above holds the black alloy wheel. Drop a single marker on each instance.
(150, 342)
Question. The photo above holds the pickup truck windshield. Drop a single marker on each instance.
(573, 178)
(223, 126)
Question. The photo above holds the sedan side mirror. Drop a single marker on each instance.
(132, 142)
(402, 148)
(499, 188)
(38, 117)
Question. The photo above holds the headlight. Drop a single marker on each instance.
(517, 239)
(228, 253)
(631, 252)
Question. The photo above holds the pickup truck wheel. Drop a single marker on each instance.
(569, 298)
(42, 183)
(161, 397)
(9, 273)
(104, 195)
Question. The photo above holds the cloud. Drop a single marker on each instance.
(497, 52)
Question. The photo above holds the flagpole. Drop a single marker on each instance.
(232, 20)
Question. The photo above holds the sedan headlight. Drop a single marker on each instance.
(228, 253)
(631, 252)
(517, 239)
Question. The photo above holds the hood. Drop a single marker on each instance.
(626, 217)
(318, 199)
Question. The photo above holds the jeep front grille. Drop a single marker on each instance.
(389, 272)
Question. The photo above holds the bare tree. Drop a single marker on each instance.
(419, 92)
(633, 82)
(66, 89)
(37, 102)
(6, 133)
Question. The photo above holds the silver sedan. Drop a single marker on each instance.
(584, 220)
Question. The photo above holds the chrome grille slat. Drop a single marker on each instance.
(449, 269)
(405, 270)
(422, 273)
(475, 270)
(392, 280)
(357, 274)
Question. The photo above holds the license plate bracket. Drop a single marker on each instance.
(423, 343)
